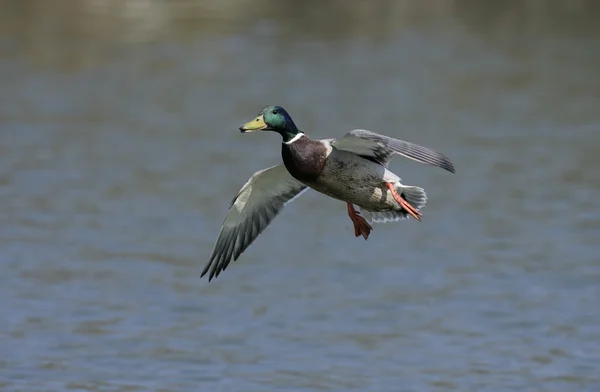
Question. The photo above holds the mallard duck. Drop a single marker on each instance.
(352, 169)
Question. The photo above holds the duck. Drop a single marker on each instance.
(352, 169)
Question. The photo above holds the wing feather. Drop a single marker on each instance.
(380, 148)
(253, 208)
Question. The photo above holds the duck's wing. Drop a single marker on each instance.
(251, 210)
(380, 148)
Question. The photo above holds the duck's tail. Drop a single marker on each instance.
(414, 195)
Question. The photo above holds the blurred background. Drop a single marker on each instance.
(119, 155)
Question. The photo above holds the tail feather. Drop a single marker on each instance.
(413, 194)
(383, 216)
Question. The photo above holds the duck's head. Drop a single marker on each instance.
(273, 118)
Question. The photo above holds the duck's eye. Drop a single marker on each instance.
(275, 112)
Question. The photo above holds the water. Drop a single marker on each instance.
(119, 154)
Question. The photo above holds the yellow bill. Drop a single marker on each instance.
(255, 125)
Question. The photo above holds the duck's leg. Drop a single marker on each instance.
(403, 203)
(361, 226)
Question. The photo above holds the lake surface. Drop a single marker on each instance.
(119, 155)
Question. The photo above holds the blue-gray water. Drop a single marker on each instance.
(119, 155)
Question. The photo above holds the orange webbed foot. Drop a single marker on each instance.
(361, 226)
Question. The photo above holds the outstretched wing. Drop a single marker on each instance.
(251, 210)
(380, 148)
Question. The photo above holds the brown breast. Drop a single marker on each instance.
(304, 158)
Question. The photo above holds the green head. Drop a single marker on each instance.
(273, 118)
